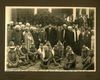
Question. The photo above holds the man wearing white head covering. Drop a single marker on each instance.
(17, 35)
(28, 39)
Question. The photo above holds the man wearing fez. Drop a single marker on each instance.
(51, 35)
(89, 63)
(17, 35)
(9, 34)
(42, 36)
(33, 55)
(46, 58)
(12, 57)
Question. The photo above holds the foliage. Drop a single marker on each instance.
(45, 18)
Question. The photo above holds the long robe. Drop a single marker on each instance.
(28, 39)
(17, 35)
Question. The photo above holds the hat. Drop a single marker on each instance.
(48, 43)
(28, 24)
(59, 43)
(64, 25)
(70, 52)
(85, 48)
(11, 43)
(20, 23)
(69, 27)
(17, 27)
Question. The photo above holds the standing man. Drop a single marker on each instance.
(42, 36)
(51, 35)
(76, 40)
(17, 36)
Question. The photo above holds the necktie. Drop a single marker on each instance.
(76, 35)
(63, 34)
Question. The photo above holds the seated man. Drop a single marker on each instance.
(70, 60)
(21, 55)
(46, 58)
(33, 53)
(24, 51)
(56, 57)
(12, 58)
(89, 63)
(40, 50)
(84, 54)
(60, 49)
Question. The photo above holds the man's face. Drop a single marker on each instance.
(41, 46)
(32, 45)
(23, 45)
(76, 26)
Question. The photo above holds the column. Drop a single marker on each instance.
(87, 12)
(35, 11)
(50, 10)
(80, 12)
(8, 15)
(74, 14)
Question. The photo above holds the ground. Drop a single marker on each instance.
(51, 66)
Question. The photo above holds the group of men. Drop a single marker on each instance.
(49, 43)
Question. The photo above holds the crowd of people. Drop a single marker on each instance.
(50, 43)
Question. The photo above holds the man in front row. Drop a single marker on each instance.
(33, 53)
(46, 58)
(70, 60)
(12, 58)
(89, 63)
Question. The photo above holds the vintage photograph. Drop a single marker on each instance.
(54, 39)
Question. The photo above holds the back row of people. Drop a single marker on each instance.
(68, 35)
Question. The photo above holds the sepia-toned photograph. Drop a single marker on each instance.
(50, 39)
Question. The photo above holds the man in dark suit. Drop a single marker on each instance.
(76, 40)
(51, 35)
(69, 36)
(35, 37)
(42, 36)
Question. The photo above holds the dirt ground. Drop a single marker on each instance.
(36, 66)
